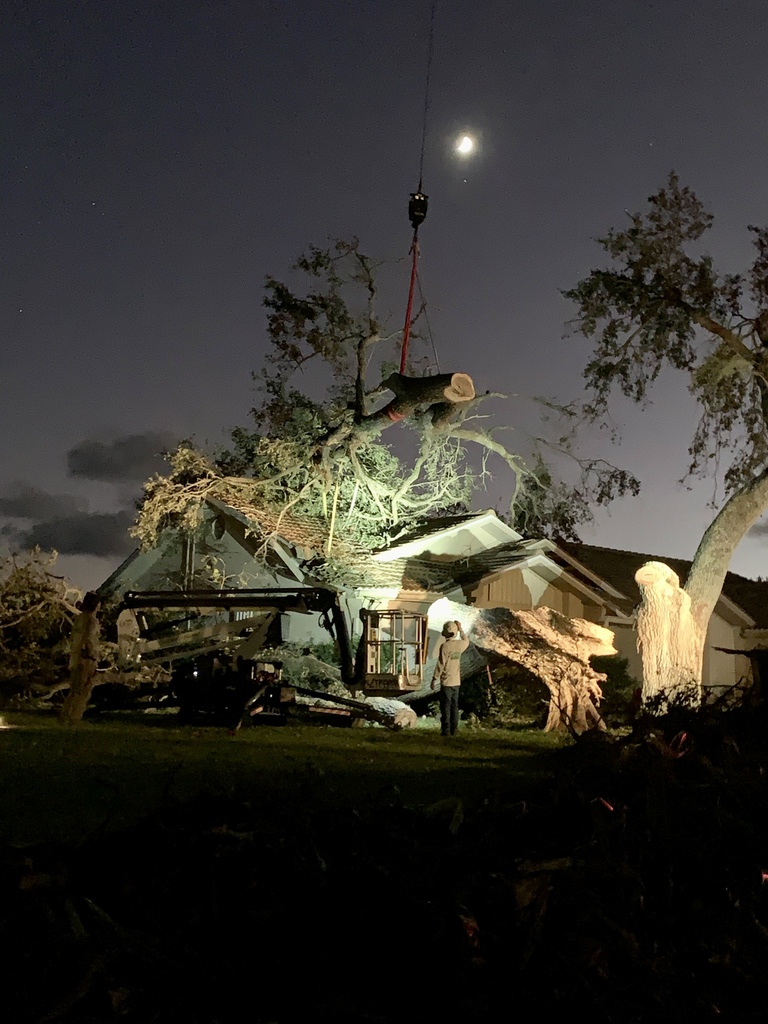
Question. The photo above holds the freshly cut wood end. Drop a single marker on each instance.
(461, 388)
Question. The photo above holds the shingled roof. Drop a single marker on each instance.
(310, 532)
(619, 567)
(402, 573)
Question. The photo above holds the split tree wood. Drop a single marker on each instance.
(412, 392)
(553, 647)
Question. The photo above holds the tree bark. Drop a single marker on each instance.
(411, 392)
(83, 662)
(670, 641)
(672, 622)
(717, 546)
(553, 647)
(441, 391)
(82, 680)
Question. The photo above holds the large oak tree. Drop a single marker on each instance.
(659, 305)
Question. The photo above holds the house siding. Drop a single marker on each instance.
(723, 670)
(625, 642)
(719, 670)
(514, 591)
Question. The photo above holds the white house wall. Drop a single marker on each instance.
(520, 589)
(719, 670)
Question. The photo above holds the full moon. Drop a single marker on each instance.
(465, 145)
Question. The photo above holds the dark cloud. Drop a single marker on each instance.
(131, 458)
(95, 533)
(27, 502)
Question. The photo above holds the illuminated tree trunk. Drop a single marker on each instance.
(670, 641)
(82, 680)
(672, 622)
(555, 648)
(574, 697)
(83, 661)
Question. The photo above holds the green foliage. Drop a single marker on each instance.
(546, 507)
(619, 689)
(287, 464)
(35, 621)
(314, 450)
(331, 327)
(662, 304)
(513, 699)
(327, 652)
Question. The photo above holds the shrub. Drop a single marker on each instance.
(36, 611)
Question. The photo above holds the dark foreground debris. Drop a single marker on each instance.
(631, 889)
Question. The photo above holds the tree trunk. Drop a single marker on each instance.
(83, 677)
(553, 647)
(441, 391)
(670, 641)
(411, 392)
(716, 547)
(83, 661)
(672, 623)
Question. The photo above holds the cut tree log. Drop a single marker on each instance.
(442, 393)
(413, 392)
(410, 392)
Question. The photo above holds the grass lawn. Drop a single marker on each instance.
(164, 874)
(71, 785)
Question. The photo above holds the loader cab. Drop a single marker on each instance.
(394, 645)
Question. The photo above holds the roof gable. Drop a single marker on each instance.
(452, 537)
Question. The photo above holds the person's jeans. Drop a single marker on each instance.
(449, 710)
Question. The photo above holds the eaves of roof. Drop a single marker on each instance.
(436, 530)
(743, 602)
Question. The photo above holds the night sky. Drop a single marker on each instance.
(161, 158)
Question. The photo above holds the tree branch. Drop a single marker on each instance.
(729, 337)
(720, 540)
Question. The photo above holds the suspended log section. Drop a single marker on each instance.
(441, 398)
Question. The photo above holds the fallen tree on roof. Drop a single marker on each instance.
(321, 458)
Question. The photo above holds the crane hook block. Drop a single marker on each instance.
(417, 208)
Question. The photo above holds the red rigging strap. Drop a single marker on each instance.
(409, 307)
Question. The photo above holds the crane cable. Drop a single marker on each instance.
(425, 311)
(419, 203)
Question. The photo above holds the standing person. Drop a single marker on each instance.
(83, 659)
(448, 673)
